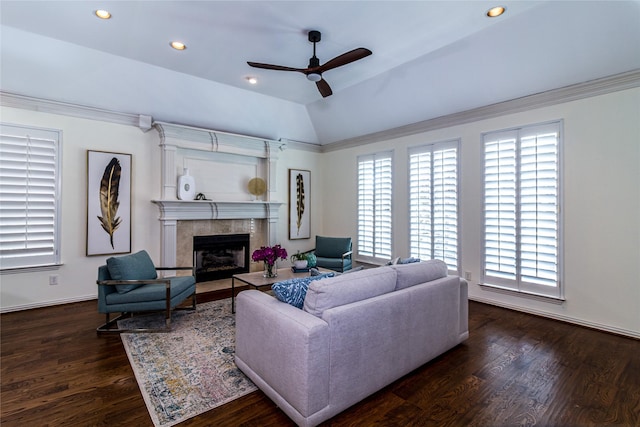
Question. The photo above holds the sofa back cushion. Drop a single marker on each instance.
(420, 272)
(347, 288)
(138, 266)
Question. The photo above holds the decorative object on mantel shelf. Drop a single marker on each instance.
(269, 255)
(257, 187)
(186, 186)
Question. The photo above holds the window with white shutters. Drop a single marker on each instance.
(433, 203)
(521, 209)
(29, 197)
(374, 207)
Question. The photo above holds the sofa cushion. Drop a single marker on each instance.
(347, 288)
(419, 272)
(136, 266)
(155, 292)
(293, 291)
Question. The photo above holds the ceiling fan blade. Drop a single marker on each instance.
(275, 67)
(345, 59)
(324, 88)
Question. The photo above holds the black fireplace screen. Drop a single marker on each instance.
(220, 256)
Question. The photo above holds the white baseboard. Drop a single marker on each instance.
(579, 322)
(47, 303)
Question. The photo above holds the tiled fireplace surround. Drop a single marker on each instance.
(221, 164)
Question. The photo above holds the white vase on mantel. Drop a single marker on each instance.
(186, 186)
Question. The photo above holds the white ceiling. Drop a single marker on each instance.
(430, 58)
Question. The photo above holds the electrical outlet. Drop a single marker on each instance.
(467, 275)
(53, 279)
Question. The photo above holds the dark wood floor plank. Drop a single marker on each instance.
(515, 369)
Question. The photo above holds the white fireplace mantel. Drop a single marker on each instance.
(181, 144)
(189, 210)
(172, 211)
(175, 139)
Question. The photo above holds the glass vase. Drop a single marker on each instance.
(270, 270)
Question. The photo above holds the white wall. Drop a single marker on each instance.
(304, 160)
(601, 178)
(77, 275)
(601, 205)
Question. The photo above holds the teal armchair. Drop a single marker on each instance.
(334, 253)
(130, 284)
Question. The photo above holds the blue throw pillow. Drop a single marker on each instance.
(138, 266)
(293, 291)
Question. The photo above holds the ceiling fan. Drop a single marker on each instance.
(314, 70)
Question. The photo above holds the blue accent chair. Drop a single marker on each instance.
(130, 284)
(334, 253)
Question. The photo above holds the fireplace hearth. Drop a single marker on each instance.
(221, 256)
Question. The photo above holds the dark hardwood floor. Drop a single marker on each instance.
(515, 369)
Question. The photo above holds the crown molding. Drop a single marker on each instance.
(8, 99)
(575, 92)
(302, 146)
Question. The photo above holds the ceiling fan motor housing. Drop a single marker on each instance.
(314, 36)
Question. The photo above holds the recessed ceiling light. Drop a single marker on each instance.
(496, 11)
(178, 45)
(252, 80)
(102, 14)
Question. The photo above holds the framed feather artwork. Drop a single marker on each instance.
(108, 203)
(299, 204)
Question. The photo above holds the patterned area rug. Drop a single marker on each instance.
(189, 370)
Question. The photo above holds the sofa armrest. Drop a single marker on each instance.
(285, 347)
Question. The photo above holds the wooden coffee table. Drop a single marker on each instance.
(258, 281)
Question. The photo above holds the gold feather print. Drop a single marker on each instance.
(109, 186)
(299, 199)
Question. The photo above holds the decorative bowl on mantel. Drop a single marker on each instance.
(257, 187)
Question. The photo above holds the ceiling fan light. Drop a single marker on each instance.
(314, 77)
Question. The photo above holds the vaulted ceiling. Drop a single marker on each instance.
(430, 58)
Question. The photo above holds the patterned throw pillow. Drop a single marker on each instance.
(293, 291)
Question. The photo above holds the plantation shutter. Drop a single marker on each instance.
(433, 210)
(29, 193)
(521, 220)
(374, 206)
(500, 208)
(539, 206)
